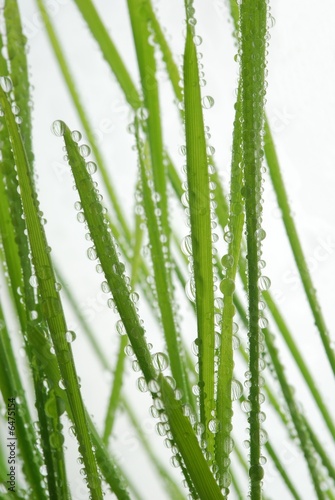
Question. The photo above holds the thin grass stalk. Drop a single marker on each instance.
(226, 391)
(253, 44)
(201, 235)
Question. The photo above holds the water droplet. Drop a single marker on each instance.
(129, 351)
(214, 425)
(227, 286)
(160, 361)
(263, 322)
(227, 261)
(58, 128)
(210, 150)
(246, 406)
(81, 217)
(236, 389)
(142, 113)
(33, 281)
(228, 445)
(120, 328)
(105, 287)
(92, 254)
(134, 297)
(161, 429)
(175, 461)
(256, 472)
(186, 245)
(91, 167)
(228, 236)
(76, 136)
(153, 386)
(58, 287)
(70, 336)
(207, 102)
(6, 84)
(85, 150)
(142, 384)
(197, 40)
(190, 290)
(263, 436)
(62, 385)
(264, 283)
(260, 234)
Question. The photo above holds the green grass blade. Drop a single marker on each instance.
(201, 235)
(67, 75)
(16, 46)
(326, 461)
(253, 32)
(109, 51)
(292, 233)
(151, 120)
(230, 261)
(51, 304)
(11, 387)
(162, 275)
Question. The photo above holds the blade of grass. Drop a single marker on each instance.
(252, 33)
(223, 441)
(51, 305)
(138, 13)
(201, 235)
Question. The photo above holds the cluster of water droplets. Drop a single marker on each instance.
(7, 86)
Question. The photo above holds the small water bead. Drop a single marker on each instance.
(264, 283)
(85, 150)
(161, 429)
(236, 389)
(214, 425)
(62, 385)
(207, 102)
(105, 287)
(261, 264)
(58, 287)
(91, 167)
(227, 286)
(58, 128)
(260, 234)
(175, 461)
(228, 236)
(256, 472)
(153, 386)
(33, 315)
(215, 238)
(129, 351)
(6, 84)
(142, 384)
(210, 150)
(186, 245)
(236, 342)
(142, 113)
(197, 40)
(135, 366)
(263, 436)
(120, 328)
(78, 206)
(246, 406)
(263, 322)
(262, 460)
(92, 253)
(160, 361)
(218, 303)
(33, 281)
(81, 217)
(134, 297)
(190, 289)
(227, 261)
(70, 336)
(76, 135)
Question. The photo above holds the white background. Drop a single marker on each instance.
(300, 107)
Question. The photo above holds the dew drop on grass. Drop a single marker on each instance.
(160, 361)
(70, 336)
(227, 261)
(186, 245)
(227, 286)
(129, 351)
(228, 445)
(92, 254)
(197, 40)
(260, 234)
(228, 236)
(85, 150)
(210, 150)
(153, 386)
(236, 342)
(264, 283)
(160, 428)
(142, 384)
(175, 461)
(246, 406)
(236, 389)
(214, 425)
(15, 109)
(6, 84)
(58, 128)
(91, 167)
(76, 136)
(207, 102)
(256, 472)
(119, 324)
(58, 287)
(62, 385)
(33, 281)
(263, 322)
(134, 297)
(190, 290)
(105, 287)
(81, 217)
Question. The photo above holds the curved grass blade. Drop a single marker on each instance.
(109, 51)
(180, 426)
(292, 234)
(83, 117)
(51, 304)
(201, 235)
(253, 33)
